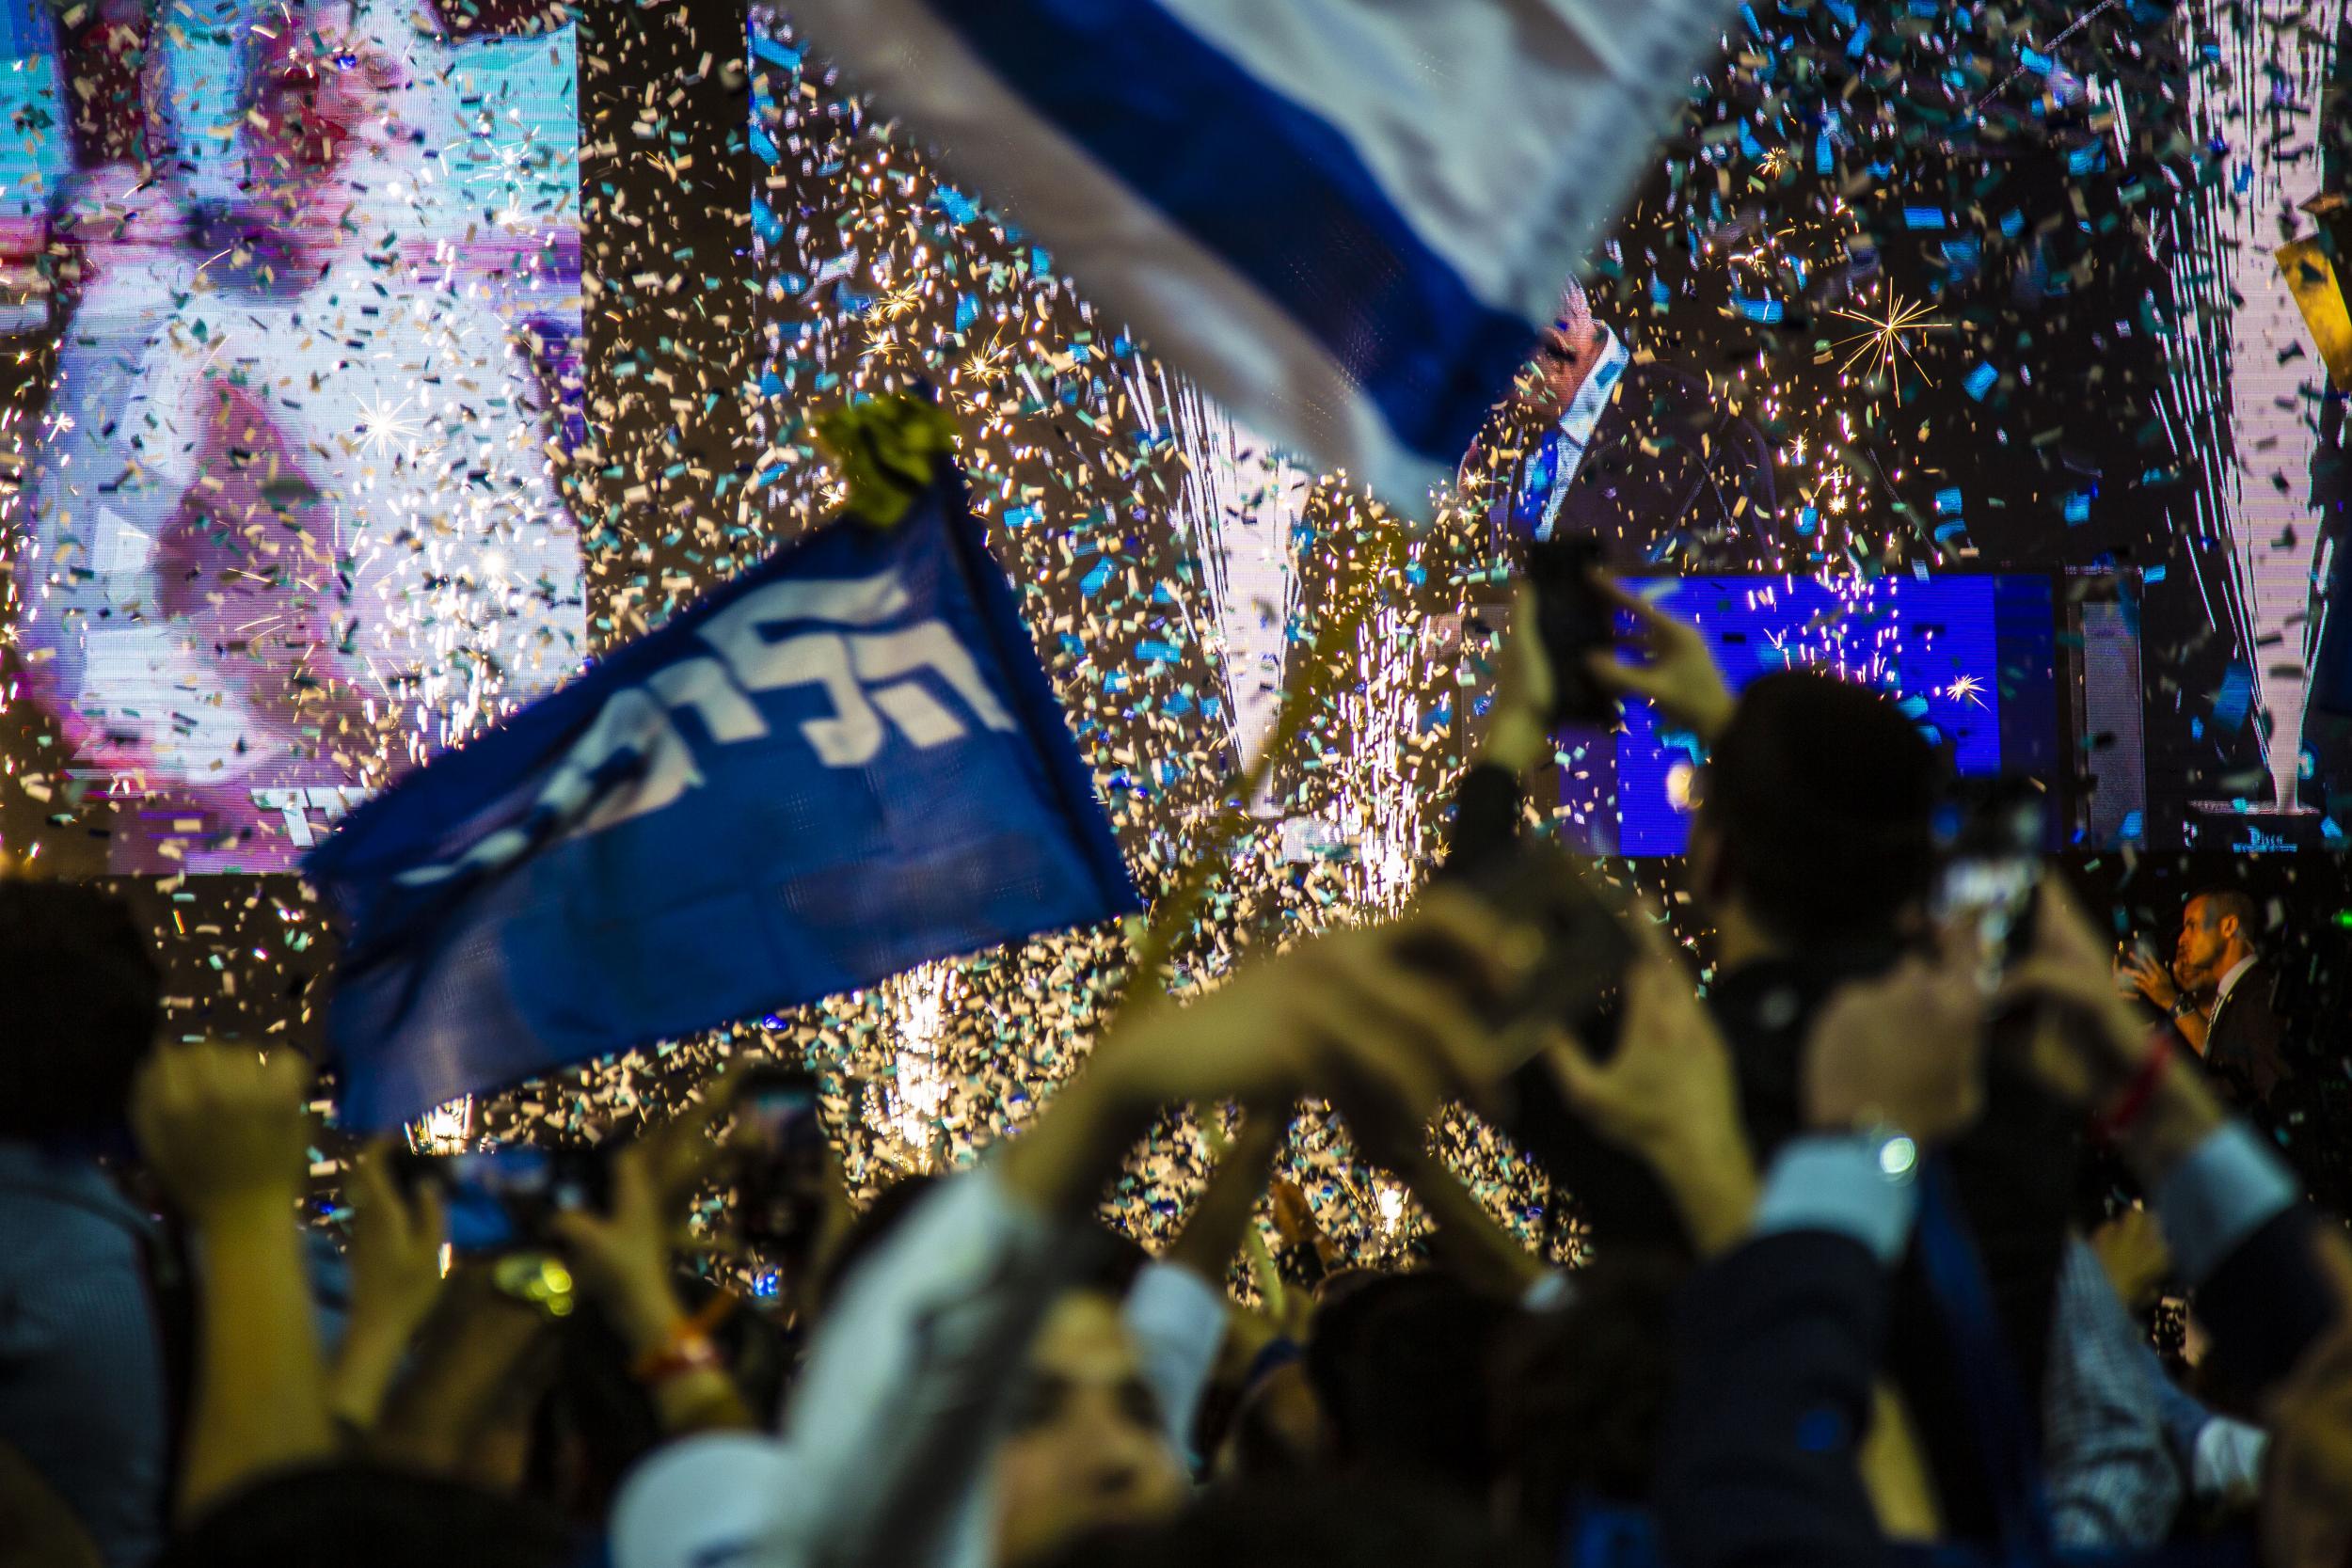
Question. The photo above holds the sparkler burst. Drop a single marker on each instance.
(1890, 344)
(383, 427)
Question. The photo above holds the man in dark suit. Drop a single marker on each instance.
(2218, 994)
(1628, 450)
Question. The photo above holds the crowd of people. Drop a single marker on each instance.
(1847, 1301)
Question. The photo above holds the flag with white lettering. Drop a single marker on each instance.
(843, 764)
(1347, 221)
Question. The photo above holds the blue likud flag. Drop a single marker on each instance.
(846, 762)
(1347, 221)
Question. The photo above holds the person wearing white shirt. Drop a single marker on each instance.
(968, 1400)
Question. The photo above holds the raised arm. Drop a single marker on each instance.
(916, 1362)
(226, 1132)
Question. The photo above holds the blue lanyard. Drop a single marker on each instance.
(1997, 1411)
(1997, 1408)
(1599, 1535)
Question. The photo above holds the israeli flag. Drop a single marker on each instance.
(1346, 220)
(844, 764)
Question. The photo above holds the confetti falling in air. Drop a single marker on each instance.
(1909, 288)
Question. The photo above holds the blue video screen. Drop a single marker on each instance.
(1971, 658)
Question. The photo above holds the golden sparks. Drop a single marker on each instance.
(1890, 344)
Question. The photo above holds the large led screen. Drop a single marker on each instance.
(305, 282)
(1972, 660)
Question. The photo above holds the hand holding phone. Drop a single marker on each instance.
(1991, 835)
(1579, 926)
(781, 1187)
(505, 1200)
(1575, 620)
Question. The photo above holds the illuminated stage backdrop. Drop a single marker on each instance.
(1972, 659)
(289, 522)
(2243, 402)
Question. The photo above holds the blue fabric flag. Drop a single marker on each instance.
(1347, 222)
(844, 763)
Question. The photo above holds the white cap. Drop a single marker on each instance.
(718, 1500)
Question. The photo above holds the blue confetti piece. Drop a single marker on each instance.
(1179, 705)
(967, 311)
(2079, 507)
(1947, 503)
(1923, 218)
(2133, 826)
(2012, 223)
(1093, 582)
(1072, 646)
(765, 223)
(1980, 381)
(1040, 262)
(771, 385)
(1962, 254)
(1764, 312)
(1152, 651)
(1858, 44)
(775, 52)
(1843, 10)
(2243, 178)
(765, 147)
(1658, 294)
(1024, 516)
(1809, 518)
(1748, 144)
(2235, 699)
(1951, 531)
(1824, 156)
(2035, 61)
(2084, 160)
(2153, 575)
(958, 207)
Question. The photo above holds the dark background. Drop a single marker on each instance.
(2072, 311)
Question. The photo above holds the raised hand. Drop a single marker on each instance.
(396, 1238)
(2150, 977)
(226, 1133)
(1517, 733)
(1344, 1014)
(1905, 1049)
(395, 1281)
(1676, 670)
(2091, 1041)
(1668, 1094)
(223, 1127)
(622, 1256)
(622, 1260)
(1338, 1012)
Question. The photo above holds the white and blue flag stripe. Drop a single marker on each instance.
(1346, 220)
